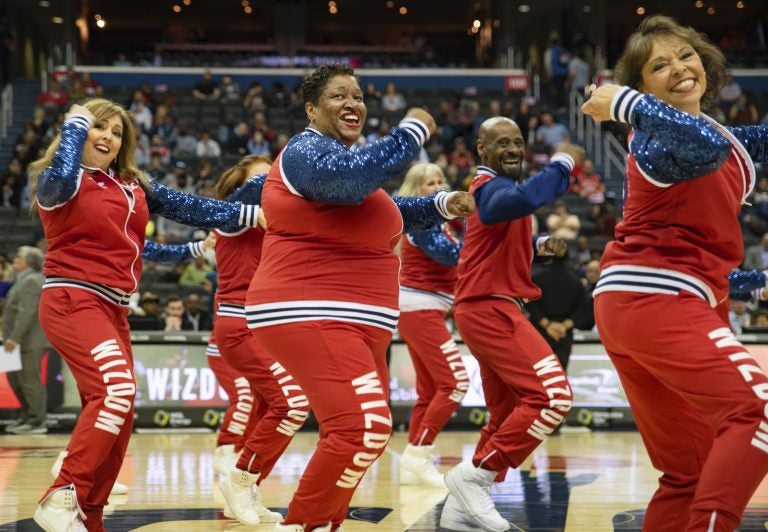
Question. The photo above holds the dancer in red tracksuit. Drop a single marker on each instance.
(324, 300)
(94, 205)
(427, 278)
(282, 405)
(699, 399)
(526, 389)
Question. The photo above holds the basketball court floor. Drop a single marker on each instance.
(575, 482)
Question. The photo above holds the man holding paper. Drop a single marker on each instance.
(21, 329)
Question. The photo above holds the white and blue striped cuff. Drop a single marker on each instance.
(562, 157)
(249, 215)
(196, 248)
(623, 103)
(81, 121)
(416, 128)
(441, 203)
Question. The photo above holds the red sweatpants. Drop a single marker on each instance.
(699, 401)
(93, 337)
(526, 390)
(282, 405)
(441, 378)
(240, 416)
(342, 368)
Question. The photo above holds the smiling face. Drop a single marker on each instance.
(675, 74)
(431, 182)
(340, 112)
(103, 143)
(501, 147)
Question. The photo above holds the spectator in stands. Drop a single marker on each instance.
(461, 157)
(76, 92)
(260, 124)
(372, 98)
(754, 212)
(237, 143)
(158, 148)
(149, 307)
(562, 307)
(54, 99)
(254, 101)
(206, 92)
(759, 318)
(604, 219)
(729, 93)
(280, 142)
(258, 145)
(743, 112)
(174, 312)
(588, 184)
(195, 317)
(89, 84)
(186, 143)
(393, 101)
(562, 223)
(756, 257)
(556, 63)
(550, 132)
(164, 124)
(578, 73)
(195, 272)
(141, 114)
(739, 315)
(230, 89)
(7, 271)
(207, 147)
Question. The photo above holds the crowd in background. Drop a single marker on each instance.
(187, 145)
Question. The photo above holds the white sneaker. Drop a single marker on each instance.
(471, 487)
(117, 489)
(265, 514)
(454, 518)
(59, 512)
(417, 467)
(237, 489)
(222, 458)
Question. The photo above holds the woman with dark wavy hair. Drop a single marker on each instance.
(661, 304)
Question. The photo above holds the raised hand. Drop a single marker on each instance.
(461, 204)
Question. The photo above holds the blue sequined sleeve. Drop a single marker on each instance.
(501, 199)
(436, 245)
(422, 212)
(58, 183)
(321, 168)
(250, 191)
(669, 145)
(198, 211)
(155, 252)
(755, 140)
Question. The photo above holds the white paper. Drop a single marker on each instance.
(10, 360)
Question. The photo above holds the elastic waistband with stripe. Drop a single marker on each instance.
(231, 310)
(629, 278)
(114, 295)
(269, 314)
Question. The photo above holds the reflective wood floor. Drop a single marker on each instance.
(576, 481)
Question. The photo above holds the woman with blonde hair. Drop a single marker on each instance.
(94, 205)
(427, 279)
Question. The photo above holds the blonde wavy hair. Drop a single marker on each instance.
(415, 177)
(124, 164)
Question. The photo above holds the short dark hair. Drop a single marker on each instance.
(628, 70)
(313, 85)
